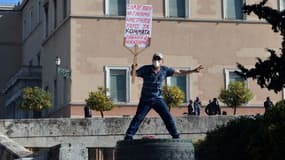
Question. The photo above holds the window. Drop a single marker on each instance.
(39, 10)
(176, 8)
(115, 7)
(64, 90)
(182, 81)
(281, 5)
(64, 10)
(46, 6)
(55, 13)
(231, 76)
(31, 63)
(24, 27)
(233, 9)
(31, 20)
(117, 83)
(39, 59)
(55, 93)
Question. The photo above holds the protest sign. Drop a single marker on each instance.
(138, 25)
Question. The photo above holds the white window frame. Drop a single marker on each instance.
(107, 6)
(166, 7)
(187, 94)
(227, 77)
(107, 80)
(224, 12)
(281, 5)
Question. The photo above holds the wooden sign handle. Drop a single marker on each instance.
(135, 62)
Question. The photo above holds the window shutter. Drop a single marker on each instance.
(118, 85)
(176, 8)
(116, 7)
(233, 9)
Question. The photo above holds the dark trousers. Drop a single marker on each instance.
(161, 108)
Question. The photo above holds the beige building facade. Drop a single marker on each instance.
(87, 36)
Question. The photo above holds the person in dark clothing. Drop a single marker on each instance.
(208, 108)
(213, 108)
(151, 95)
(87, 112)
(197, 106)
(268, 104)
(190, 108)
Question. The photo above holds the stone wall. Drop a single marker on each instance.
(67, 138)
(100, 132)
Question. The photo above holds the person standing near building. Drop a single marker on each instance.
(213, 108)
(208, 108)
(87, 112)
(216, 107)
(268, 104)
(197, 106)
(151, 95)
(190, 108)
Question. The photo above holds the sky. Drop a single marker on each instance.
(8, 2)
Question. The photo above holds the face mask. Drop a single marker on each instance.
(155, 63)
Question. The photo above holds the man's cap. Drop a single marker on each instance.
(157, 54)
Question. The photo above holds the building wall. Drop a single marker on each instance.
(206, 39)
(88, 41)
(10, 45)
(56, 44)
(32, 33)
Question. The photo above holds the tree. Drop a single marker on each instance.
(173, 96)
(270, 73)
(235, 95)
(99, 101)
(35, 99)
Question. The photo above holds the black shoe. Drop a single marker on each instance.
(176, 137)
(128, 138)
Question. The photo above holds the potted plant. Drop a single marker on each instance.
(35, 99)
(173, 96)
(235, 95)
(99, 101)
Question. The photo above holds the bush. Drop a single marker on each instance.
(99, 101)
(236, 95)
(35, 99)
(173, 96)
(247, 138)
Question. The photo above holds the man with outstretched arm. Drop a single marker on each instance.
(151, 95)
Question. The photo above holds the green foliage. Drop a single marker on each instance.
(173, 96)
(35, 99)
(236, 95)
(269, 73)
(247, 138)
(99, 101)
(233, 141)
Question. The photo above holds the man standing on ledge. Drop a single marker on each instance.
(151, 94)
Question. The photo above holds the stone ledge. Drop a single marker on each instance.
(11, 149)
